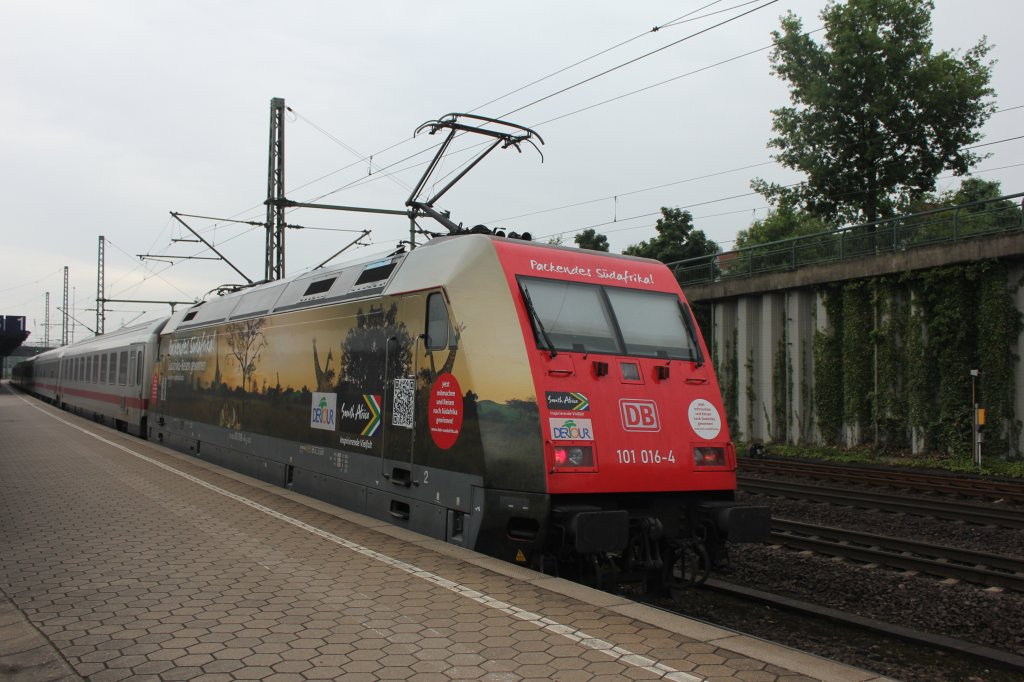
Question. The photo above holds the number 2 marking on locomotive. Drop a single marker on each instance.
(426, 475)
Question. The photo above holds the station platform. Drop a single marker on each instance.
(121, 559)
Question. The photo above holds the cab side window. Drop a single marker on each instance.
(439, 332)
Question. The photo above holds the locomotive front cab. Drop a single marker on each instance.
(637, 451)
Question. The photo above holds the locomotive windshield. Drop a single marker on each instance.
(590, 318)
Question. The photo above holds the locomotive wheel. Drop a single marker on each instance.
(603, 574)
(690, 568)
(546, 563)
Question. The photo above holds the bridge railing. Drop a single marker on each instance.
(944, 225)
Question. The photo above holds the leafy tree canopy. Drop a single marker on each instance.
(970, 190)
(982, 208)
(783, 223)
(676, 240)
(591, 239)
(876, 115)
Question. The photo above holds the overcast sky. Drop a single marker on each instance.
(116, 113)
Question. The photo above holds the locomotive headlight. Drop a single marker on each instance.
(574, 456)
(709, 457)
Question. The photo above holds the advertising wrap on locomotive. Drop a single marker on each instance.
(550, 406)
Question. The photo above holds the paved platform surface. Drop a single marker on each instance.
(122, 559)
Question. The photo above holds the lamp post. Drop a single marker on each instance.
(978, 417)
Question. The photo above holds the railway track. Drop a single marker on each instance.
(936, 508)
(933, 483)
(885, 632)
(945, 562)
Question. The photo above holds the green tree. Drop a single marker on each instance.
(973, 189)
(876, 115)
(782, 223)
(593, 240)
(676, 240)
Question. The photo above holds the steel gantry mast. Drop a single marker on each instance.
(275, 193)
(64, 310)
(101, 301)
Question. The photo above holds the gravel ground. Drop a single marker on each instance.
(972, 613)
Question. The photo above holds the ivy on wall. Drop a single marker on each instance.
(729, 380)
(892, 351)
(751, 394)
(782, 387)
(828, 369)
(948, 299)
(893, 365)
(999, 327)
(857, 361)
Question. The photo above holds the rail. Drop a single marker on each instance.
(945, 562)
(950, 225)
(936, 508)
(1004, 491)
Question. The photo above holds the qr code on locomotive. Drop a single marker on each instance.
(405, 393)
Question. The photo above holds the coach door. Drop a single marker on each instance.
(401, 366)
(135, 381)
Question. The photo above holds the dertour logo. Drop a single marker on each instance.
(323, 412)
(571, 429)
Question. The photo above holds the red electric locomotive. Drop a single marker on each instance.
(546, 405)
(551, 406)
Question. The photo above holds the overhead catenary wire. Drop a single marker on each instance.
(378, 172)
(687, 207)
(636, 59)
(670, 22)
(716, 174)
(358, 182)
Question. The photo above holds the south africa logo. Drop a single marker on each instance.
(372, 427)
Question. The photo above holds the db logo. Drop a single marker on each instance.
(639, 415)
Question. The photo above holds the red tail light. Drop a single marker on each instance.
(574, 457)
(709, 457)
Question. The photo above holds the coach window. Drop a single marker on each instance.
(122, 369)
(103, 368)
(132, 369)
(95, 369)
(439, 332)
(112, 375)
(138, 368)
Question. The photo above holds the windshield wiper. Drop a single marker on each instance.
(695, 354)
(540, 325)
